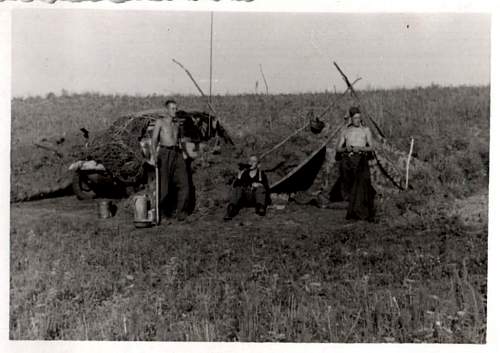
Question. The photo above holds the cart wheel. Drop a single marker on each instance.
(82, 187)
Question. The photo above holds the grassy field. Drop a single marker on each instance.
(278, 280)
(302, 274)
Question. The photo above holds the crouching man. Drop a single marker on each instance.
(250, 189)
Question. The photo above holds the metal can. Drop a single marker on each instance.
(152, 215)
(105, 209)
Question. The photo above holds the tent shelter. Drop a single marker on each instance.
(386, 172)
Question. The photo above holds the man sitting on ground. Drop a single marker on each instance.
(250, 188)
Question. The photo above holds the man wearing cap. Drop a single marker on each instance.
(355, 148)
(174, 176)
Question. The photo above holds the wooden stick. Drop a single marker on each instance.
(157, 193)
(51, 149)
(351, 88)
(211, 40)
(332, 105)
(201, 92)
(210, 89)
(408, 164)
(196, 85)
(267, 94)
(264, 78)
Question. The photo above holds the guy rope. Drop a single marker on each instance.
(328, 108)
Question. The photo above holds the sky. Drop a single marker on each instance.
(131, 52)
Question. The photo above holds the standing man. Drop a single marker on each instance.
(355, 148)
(174, 177)
(250, 188)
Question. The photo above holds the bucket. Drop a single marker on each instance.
(152, 215)
(105, 209)
(141, 208)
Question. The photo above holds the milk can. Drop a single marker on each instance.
(141, 210)
(105, 209)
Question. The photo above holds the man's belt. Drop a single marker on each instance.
(368, 154)
(352, 153)
(172, 148)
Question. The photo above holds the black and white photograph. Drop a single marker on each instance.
(248, 176)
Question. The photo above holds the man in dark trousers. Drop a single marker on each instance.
(355, 148)
(174, 176)
(250, 188)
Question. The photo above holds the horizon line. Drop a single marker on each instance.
(63, 92)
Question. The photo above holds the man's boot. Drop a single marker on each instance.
(260, 210)
(230, 212)
(181, 216)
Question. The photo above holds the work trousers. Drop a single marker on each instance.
(356, 186)
(247, 196)
(174, 181)
(349, 171)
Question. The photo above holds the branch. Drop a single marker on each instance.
(332, 105)
(196, 84)
(351, 88)
(408, 164)
(190, 76)
(346, 80)
(51, 149)
(201, 92)
(264, 77)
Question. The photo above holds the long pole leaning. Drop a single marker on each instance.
(351, 88)
(264, 78)
(212, 109)
(379, 130)
(332, 105)
(408, 164)
(157, 193)
(211, 42)
(196, 85)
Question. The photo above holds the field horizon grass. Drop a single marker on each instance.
(303, 274)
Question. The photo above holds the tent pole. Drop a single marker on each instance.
(196, 84)
(264, 78)
(332, 105)
(211, 41)
(351, 88)
(408, 164)
(210, 89)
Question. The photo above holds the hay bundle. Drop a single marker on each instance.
(118, 148)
